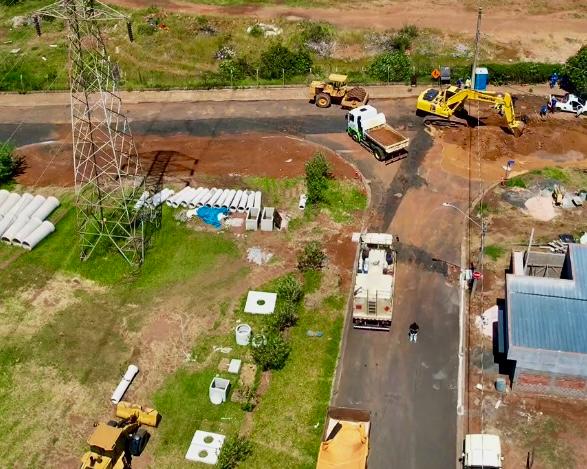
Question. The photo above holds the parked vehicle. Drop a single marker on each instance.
(569, 103)
(482, 451)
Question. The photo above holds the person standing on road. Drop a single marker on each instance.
(413, 332)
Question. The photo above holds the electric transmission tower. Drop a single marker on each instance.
(108, 177)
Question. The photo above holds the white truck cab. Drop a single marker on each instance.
(570, 103)
(482, 451)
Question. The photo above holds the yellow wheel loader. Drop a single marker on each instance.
(336, 91)
(443, 107)
(113, 444)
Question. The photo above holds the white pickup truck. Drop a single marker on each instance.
(482, 451)
(369, 127)
(569, 103)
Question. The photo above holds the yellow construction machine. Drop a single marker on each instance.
(113, 444)
(336, 91)
(443, 107)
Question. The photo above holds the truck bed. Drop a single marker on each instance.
(388, 138)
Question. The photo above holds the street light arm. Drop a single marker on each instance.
(446, 204)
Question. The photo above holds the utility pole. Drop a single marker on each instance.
(108, 178)
(477, 39)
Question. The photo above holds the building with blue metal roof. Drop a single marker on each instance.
(544, 326)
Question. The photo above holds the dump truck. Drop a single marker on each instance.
(345, 440)
(569, 103)
(369, 127)
(336, 90)
(374, 282)
(482, 451)
(113, 444)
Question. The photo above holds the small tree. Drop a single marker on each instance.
(283, 317)
(290, 289)
(575, 72)
(234, 451)
(312, 257)
(390, 66)
(317, 175)
(272, 352)
(278, 61)
(10, 164)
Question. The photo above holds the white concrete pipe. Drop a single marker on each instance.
(10, 202)
(18, 225)
(202, 196)
(5, 224)
(222, 198)
(161, 197)
(118, 393)
(142, 199)
(44, 230)
(235, 200)
(242, 204)
(257, 202)
(194, 200)
(20, 205)
(243, 334)
(250, 200)
(214, 198)
(176, 199)
(302, 202)
(33, 206)
(50, 204)
(227, 201)
(204, 200)
(188, 196)
(4, 194)
(31, 226)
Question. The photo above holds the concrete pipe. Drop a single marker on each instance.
(235, 200)
(18, 225)
(257, 203)
(228, 199)
(222, 198)
(188, 196)
(4, 194)
(10, 201)
(19, 206)
(250, 200)
(38, 235)
(197, 195)
(50, 204)
(204, 200)
(243, 334)
(142, 199)
(5, 224)
(242, 205)
(204, 195)
(177, 198)
(161, 197)
(214, 198)
(33, 206)
(31, 226)
(118, 393)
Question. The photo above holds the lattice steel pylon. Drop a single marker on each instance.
(108, 177)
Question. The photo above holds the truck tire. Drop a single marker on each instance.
(323, 100)
(379, 153)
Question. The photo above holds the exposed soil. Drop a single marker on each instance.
(184, 157)
(385, 136)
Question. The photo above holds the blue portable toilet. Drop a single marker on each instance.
(481, 78)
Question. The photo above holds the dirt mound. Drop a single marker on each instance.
(540, 208)
(184, 157)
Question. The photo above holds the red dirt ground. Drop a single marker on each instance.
(275, 156)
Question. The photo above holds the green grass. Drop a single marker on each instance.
(343, 200)
(312, 280)
(273, 189)
(558, 174)
(494, 251)
(516, 181)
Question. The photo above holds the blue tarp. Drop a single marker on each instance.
(210, 215)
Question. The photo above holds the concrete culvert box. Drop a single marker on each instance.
(267, 219)
(218, 391)
(252, 222)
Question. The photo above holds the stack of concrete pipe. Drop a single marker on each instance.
(23, 218)
(232, 199)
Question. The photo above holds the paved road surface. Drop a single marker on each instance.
(409, 388)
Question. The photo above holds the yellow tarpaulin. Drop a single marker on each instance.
(348, 449)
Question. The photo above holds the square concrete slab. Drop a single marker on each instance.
(259, 302)
(205, 447)
(234, 366)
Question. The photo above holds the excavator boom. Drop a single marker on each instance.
(445, 103)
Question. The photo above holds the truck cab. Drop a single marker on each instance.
(356, 120)
(482, 451)
(569, 103)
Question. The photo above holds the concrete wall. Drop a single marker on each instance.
(549, 361)
(550, 383)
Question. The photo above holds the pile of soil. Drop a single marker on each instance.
(540, 208)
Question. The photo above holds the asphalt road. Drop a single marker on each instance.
(410, 389)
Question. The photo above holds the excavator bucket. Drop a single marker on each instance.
(518, 128)
(144, 415)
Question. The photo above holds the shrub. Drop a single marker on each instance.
(575, 72)
(402, 40)
(312, 257)
(390, 66)
(316, 32)
(234, 451)
(283, 317)
(278, 61)
(272, 353)
(10, 164)
(256, 31)
(290, 290)
(494, 251)
(516, 181)
(317, 175)
(237, 69)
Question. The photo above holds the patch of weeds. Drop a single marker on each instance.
(334, 302)
(494, 251)
(516, 181)
(557, 174)
(312, 257)
(312, 280)
(234, 451)
(484, 209)
(542, 437)
(343, 200)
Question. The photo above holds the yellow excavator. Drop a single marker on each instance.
(442, 107)
(113, 444)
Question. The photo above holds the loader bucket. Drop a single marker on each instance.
(144, 415)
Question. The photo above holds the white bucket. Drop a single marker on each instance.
(243, 334)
